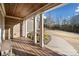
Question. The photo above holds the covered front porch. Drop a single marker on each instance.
(19, 43)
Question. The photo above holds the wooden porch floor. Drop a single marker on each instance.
(22, 47)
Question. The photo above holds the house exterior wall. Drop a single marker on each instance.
(16, 31)
(29, 25)
(16, 28)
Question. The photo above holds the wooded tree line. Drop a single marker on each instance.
(71, 25)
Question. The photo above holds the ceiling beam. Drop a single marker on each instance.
(13, 17)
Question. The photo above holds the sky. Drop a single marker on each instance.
(64, 12)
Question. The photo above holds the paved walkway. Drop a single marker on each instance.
(24, 47)
(61, 42)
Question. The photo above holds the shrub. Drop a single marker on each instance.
(46, 37)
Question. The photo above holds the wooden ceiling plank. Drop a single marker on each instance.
(18, 10)
(14, 9)
(21, 9)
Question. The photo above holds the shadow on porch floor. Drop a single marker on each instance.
(22, 47)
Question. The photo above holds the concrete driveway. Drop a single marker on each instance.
(66, 43)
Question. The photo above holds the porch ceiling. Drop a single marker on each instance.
(15, 12)
(21, 9)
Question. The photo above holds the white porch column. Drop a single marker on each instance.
(35, 30)
(25, 28)
(41, 30)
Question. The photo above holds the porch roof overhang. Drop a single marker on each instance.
(15, 12)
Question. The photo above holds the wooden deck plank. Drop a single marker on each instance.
(27, 48)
